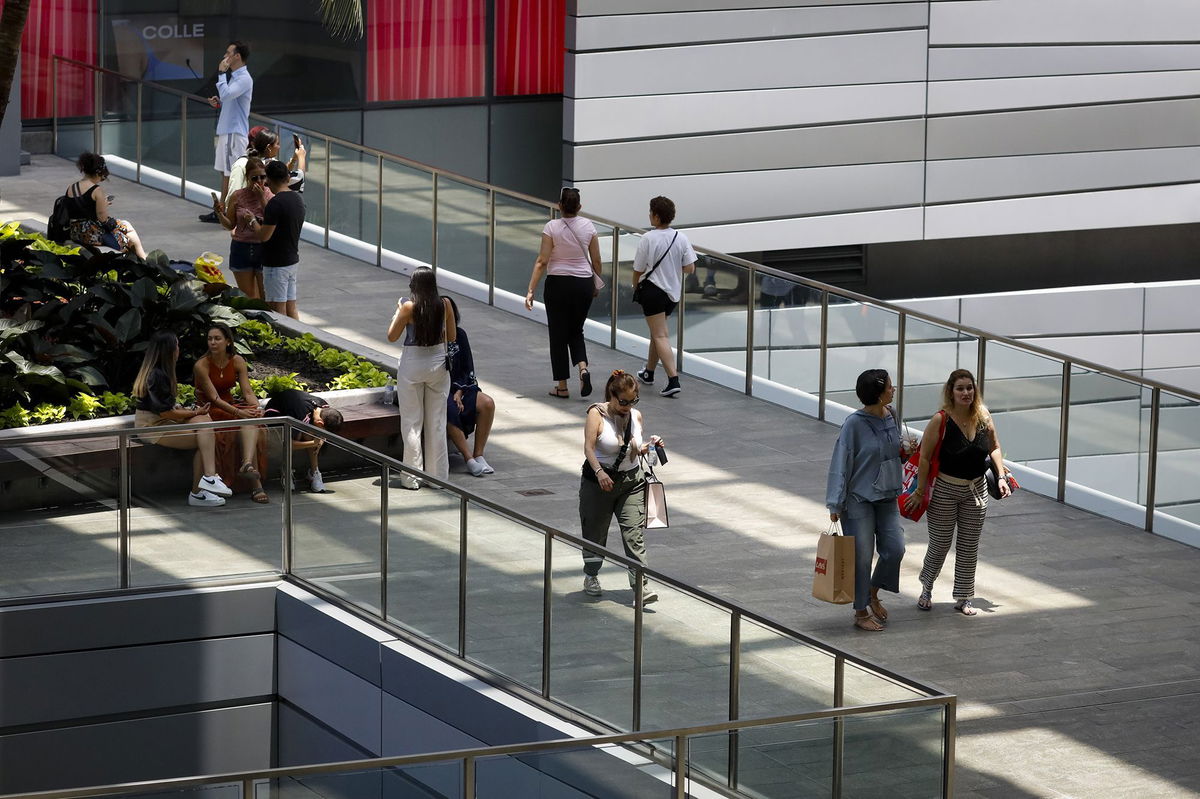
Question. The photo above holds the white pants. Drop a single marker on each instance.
(422, 387)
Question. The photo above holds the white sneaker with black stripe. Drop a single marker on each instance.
(205, 499)
(213, 484)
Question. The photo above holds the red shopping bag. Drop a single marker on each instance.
(911, 468)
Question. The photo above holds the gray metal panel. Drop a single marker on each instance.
(346, 703)
(159, 748)
(409, 731)
(1170, 123)
(878, 142)
(453, 138)
(600, 33)
(977, 178)
(301, 741)
(144, 619)
(595, 8)
(953, 63)
(785, 63)
(707, 199)
(309, 626)
(77, 685)
(1007, 94)
(1034, 21)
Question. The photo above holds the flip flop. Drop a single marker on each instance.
(259, 496)
(867, 623)
(561, 393)
(925, 601)
(585, 383)
(966, 608)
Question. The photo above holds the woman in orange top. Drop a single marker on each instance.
(215, 376)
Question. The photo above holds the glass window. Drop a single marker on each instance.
(529, 47)
(426, 49)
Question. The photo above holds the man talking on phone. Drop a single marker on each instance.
(234, 90)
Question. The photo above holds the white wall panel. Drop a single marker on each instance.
(986, 178)
(964, 96)
(902, 224)
(955, 63)
(1034, 21)
(1170, 351)
(703, 199)
(586, 8)
(1161, 205)
(1173, 306)
(635, 30)
(770, 64)
(706, 112)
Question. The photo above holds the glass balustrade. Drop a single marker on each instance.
(787, 342)
(162, 137)
(200, 147)
(353, 200)
(424, 548)
(601, 312)
(518, 238)
(118, 117)
(715, 321)
(860, 336)
(1023, 392)
(407, 211)
(463, 230)
(1177, 491)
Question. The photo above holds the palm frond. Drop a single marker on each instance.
(343, 18)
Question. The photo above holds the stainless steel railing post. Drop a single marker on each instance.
(379, 211)
(823, 357)
(547, 599)
(901, 335)
(468, 777)
(433, 218)
(123, 496)
(750, 332)
(54, 104)
(138, 133)
(638, 618)
(383, 543)
(949, 736)
(328, 172)
(681, 759)
(491, 247)
(183, 126)
(981, 364)
(1064, 419)
(462, 576)
(839, 725)
(613, 288)
(735, 682)
(97, 144)
(287, 543)
(679, 331)
(1152, 452)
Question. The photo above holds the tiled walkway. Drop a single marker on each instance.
(1081, 676)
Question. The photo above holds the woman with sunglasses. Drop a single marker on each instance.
(245, 250)
(612, 481)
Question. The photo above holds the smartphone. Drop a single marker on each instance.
(215, 197)
(662, 453)
(296, 141)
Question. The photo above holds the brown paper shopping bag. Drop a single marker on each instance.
(833, 577)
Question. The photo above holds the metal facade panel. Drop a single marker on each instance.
(968, 96)
(955, 63)
(902, 224)
(1060, 21)
(596, 8)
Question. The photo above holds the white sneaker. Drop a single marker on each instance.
(205, 499)
(213, 484)
(487, 467)
(591, 585)
(475, 467)
(649, 595)
(315, 482)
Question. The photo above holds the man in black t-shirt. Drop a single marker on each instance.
(313, 410)
(279, 230)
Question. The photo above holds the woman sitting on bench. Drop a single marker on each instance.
(91, 225)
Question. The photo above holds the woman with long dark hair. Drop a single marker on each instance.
(422, 381)
(968, 445)
(154, 389)
(91, 223)
(570, 259)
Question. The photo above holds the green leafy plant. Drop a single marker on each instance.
(14, 416)
(306, 344)
(84, 406)
(275, 383)
(332, 358)
(116, 403)
(45, 413)
(185, 394)
(364, 375)
(259, 335)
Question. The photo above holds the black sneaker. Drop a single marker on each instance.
(646, 376)
(672, 387)
(211, 216)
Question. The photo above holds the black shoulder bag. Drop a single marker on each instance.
(637, 290)
(588, 474)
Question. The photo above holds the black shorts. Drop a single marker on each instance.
(655, 300)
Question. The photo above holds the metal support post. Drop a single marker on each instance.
(287, 498)
(839, 724)
(433, 252)
(183, 126)
(491, 249)
(638, 619)
(328, 171)
(981, 364)
(385, 473)
(613, 288)
(1064, 419)
(750, 334)
(138, 132)
(462, 576)
(901, 334)
(1152, 454)
(547, 599)
(949, 736)
(735, 679)
(823, 358)
(379, 211)
(681, 759)
(123, 496)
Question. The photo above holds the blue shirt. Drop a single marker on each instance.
(866, 463)
(235, 92)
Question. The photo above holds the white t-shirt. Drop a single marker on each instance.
(669, 274)
(572, 237)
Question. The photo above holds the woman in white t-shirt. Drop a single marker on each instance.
(570, 258)
(663, 257)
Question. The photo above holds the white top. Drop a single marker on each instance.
(612, 436)
(572, 237)
(669, 274)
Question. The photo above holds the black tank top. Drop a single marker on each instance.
(961, 458)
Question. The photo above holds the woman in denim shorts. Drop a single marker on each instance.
(245, 251)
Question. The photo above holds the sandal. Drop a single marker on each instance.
(259, 496)
(865, 622)
(965, 607)
(561, 393)
(585, 383)
(877, 608)
(248, 470)
(925, 601)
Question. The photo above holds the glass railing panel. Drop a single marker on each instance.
(861, 686)
(505, 567)
(685, 657)
(440, 779)
(1176, 489)
(335, 534)
(1023, 392)
(201, 146)
(861, 336)
(315, 210)
(778, 761)
(171, 540)
(162, 127)
(591, 641)
(787, 342)
(353, 199)
(408, 211)
(219, 790)
(463, 229)
(714, 321)
(75, 109)
(897, 753)
(1107, 445)
(632, 335)
(597, 771)
(118, 117)
(60, 525)
(518, 238)
(931, 353)
(424, 544)
(780, 675)
(601, 310)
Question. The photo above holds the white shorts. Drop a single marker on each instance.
(230, 147)
(279, 283)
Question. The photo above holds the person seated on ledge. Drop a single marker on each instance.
(311, 409)
(215, 375)
(91, 224)
(468, 409)
(155, 389)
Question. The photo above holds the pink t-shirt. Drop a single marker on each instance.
(572, 237)
(246, 201)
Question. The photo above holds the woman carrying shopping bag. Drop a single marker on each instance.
(864, 481)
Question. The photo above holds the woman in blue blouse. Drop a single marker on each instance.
(865, 475)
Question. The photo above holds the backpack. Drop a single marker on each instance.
(58, 226)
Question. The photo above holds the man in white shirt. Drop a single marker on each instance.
(235, 87)
(663, 256)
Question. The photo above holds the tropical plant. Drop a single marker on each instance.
(14, 416)
(364, 375)
(275, 383)
(84, 406)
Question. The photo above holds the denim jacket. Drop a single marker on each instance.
(866, 464)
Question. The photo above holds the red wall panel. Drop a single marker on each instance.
(529, 46)
(57, 27)
(426, 49)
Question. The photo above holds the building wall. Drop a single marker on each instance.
(808, 123)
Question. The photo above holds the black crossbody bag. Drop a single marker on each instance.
(588, 474)
(637, 290)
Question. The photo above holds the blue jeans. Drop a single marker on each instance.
(875, 527)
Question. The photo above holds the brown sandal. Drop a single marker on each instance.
(877, 608)
(248, 470)
(561, 393)
(865, 622)
(260, 496)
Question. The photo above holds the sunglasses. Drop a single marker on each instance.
(624, 403)
(256, 178)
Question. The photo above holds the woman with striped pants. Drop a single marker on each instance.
(967, 448)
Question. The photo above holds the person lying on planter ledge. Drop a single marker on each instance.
(311, 409)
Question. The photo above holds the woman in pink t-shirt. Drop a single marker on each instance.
(245, 251)
(570, 258)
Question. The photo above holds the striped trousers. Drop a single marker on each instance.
(960, 504)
